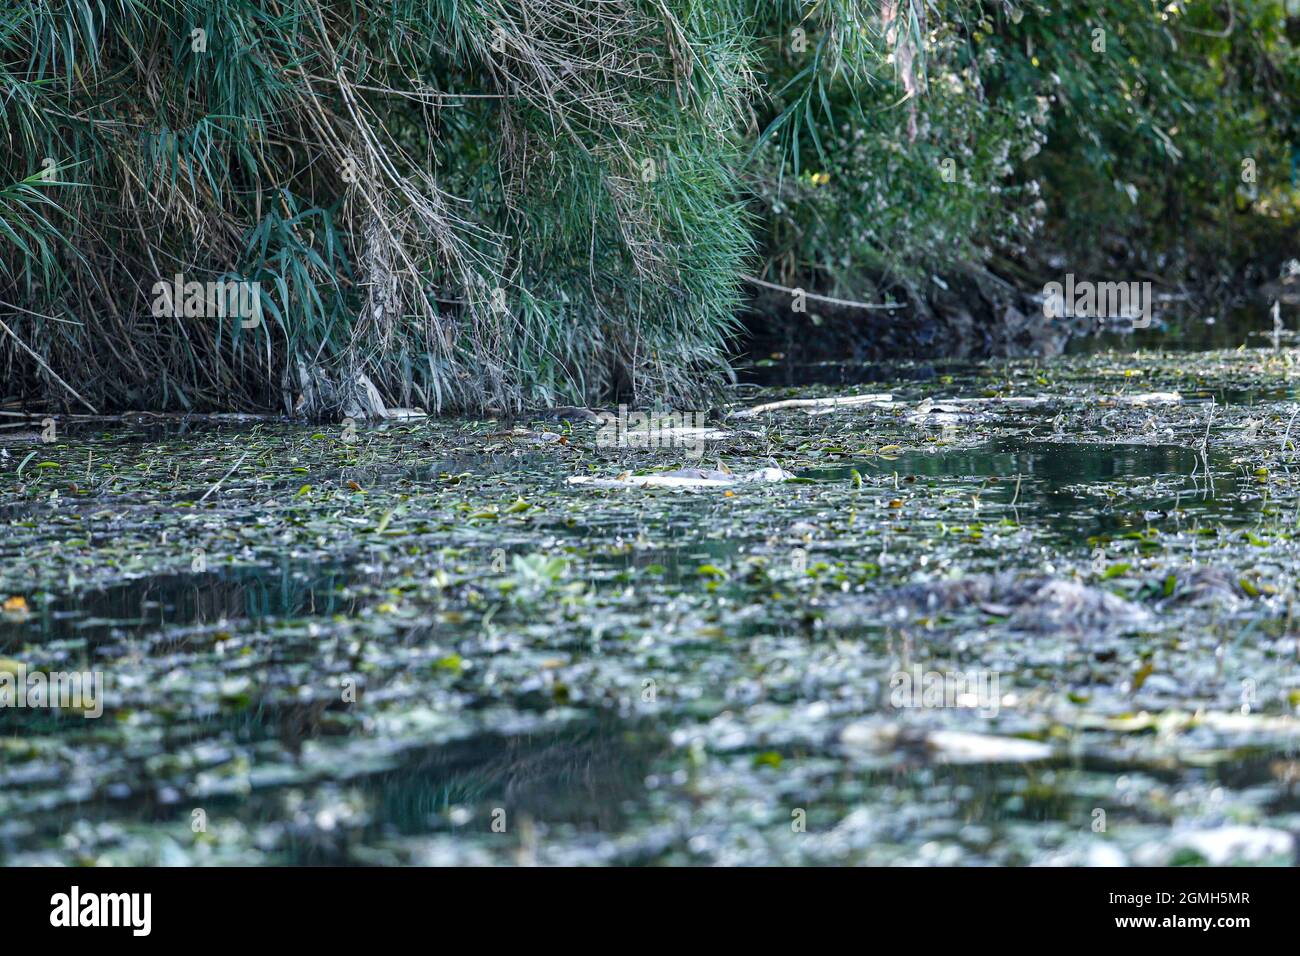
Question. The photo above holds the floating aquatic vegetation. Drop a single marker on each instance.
(355, 647)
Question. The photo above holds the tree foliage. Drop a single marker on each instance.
(479, 203)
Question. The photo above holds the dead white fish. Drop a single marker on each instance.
(965, 411)
(940, 415)
(406, 414)
(829, 404)
(685, 478)
(945, 746)
(526, 437)
(926, 406)
(1238, 844)
(664, 437)
(1255, 727)
(955, 746)
(1151, 398)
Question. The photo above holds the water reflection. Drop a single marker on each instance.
(168, 601)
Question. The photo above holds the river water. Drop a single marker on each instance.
(426, 646)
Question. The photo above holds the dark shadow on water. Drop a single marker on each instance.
(168, 601)
(587, 776)
(776, 373)
(582, 775)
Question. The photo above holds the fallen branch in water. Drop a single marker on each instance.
(223, 478)
(846, 303)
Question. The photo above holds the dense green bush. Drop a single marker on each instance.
(901, 171)
(471, 203)
(476, 203)
(1161, 114)
(1095, 133)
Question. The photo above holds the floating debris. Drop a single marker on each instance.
(432, 623)
(827, 404)
(1202, 586)
(686, 478)
(944, 746)
(1221, 846)
(954, 746)
(524, 436)
(1151, 398)
(1028, 603)
(659, 437)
